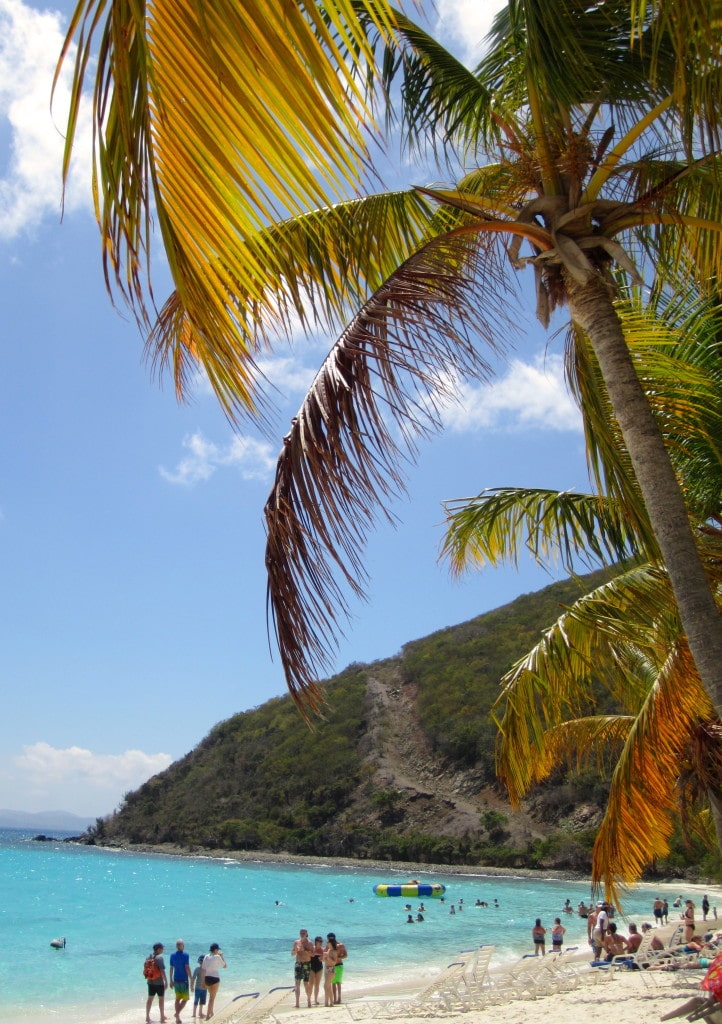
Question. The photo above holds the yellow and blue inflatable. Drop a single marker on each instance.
(411, 889)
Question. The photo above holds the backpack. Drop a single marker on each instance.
(150, 968)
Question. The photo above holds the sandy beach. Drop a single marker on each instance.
(625, 999)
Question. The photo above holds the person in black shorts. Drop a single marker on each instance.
(157, 986)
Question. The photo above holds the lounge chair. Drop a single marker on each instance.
(448, 993)
(236, 1009)
(265, 1006)
(700, 1007)
(252, 1006)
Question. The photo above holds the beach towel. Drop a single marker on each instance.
(712, 981)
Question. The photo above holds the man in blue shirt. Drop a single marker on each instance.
(181, 979)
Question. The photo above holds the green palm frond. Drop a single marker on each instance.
(195, 126)
(624, 637)
(684, 195)
(381, 387)
(692, 31)
(534, 46)
(555, 681)
(444, 105)
(552, 526)
(313, 269)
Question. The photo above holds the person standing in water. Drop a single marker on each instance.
(538, 934)
(558, 930)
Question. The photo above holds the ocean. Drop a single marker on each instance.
(112, 905)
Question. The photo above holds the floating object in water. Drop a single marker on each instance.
(412, 889)
(58, 943)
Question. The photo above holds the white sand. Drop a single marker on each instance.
(625, 997)
(623, 1000)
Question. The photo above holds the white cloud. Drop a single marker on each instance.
(467, 22)
(46, 769)
(530, 396)
(287, 374)
(256, 460)
(31, 188)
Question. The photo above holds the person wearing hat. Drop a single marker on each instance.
(211, 974)
(201, 992)
(157, 985)
(601, 924)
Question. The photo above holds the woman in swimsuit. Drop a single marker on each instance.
(688, 918)
(330, 959)
(316, 967)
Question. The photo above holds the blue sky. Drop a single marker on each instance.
(132, 601)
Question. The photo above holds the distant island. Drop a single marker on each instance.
(43, 821)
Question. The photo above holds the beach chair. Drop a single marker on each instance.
(264, 1007)
(634, 961)
(522, 980)
(448, 993)
(252, 1006)
(476, 975)
(236, 1009)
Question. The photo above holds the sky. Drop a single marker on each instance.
(132, 586)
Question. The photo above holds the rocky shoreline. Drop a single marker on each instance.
(411, 868)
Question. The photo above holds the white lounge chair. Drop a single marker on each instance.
(448, 993)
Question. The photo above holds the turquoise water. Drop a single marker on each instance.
(111, 906)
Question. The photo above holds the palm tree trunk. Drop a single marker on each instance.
(592, 309)
(715, 806)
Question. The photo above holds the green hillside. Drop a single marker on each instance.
(400, 767)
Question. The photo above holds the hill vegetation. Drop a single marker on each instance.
(401, 767)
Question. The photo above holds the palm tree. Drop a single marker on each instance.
(625, 636)
(589, 133)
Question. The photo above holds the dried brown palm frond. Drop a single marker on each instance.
(381, 388)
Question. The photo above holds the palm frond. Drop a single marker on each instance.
(675, 351)
(443, 104)
(626, 638)
(643, 797)
(312, 269)
(551, 525)
(554, 682)
(533, 46)
(692, 32)
(379, 390)
(195, 125)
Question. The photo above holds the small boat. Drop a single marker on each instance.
(58, 943)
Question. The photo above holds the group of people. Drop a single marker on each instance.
(539, 936)
(314, 959)
(203, 981)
